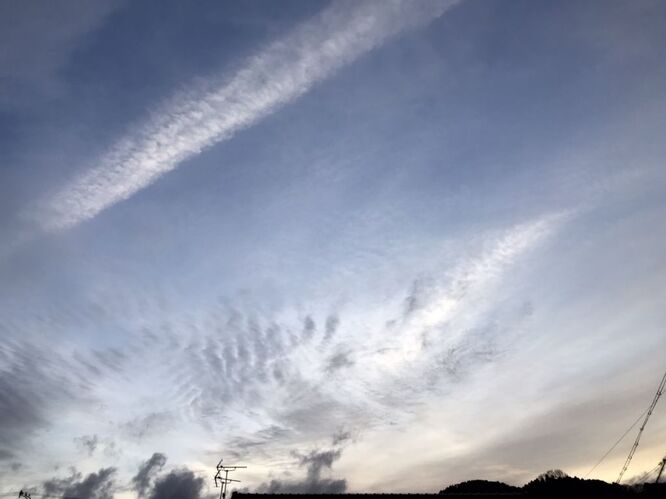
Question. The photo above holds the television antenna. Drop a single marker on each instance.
(224, 480)
(22, 494)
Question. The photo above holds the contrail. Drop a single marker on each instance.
(188, 124)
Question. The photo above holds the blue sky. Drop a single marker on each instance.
(339, 242)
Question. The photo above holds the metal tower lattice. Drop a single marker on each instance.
(660, 389)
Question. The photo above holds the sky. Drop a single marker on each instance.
(352, 245)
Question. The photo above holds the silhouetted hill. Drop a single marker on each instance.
(481, 487)
(557, 484)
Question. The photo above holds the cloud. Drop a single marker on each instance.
(20, 413)
(339, 361)
(266, 368)
(31, 382)
(178, 484)
(414, 299)
(340, 437)
(194, 121)
(309, 328)
(332, 323)
(323, 486)
(87, 443)
(38, 382)
(142, 480)
(317, 460)
(232, 357)
(313, 483)
(267, 437)
(146, 425)
(99, 485)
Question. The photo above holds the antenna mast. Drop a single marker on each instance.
(224, 480)
(660, 389)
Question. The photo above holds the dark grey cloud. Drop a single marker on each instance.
(418, 294)
(323, 486)
(309, 328)
(412, 302)
(27, 387)
(339, 361)
(341, 436)
(332, 323)
(99, 485)
(313, 483)
(87, 443)
(20, 413)
(143, 478)
(178, 484)
(317, 460)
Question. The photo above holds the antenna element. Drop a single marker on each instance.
(225, 480)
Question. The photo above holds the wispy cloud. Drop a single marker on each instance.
(283, 388)
(193, 121)
(459, 300)
(304, 383)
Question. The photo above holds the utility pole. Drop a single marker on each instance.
(224, 480)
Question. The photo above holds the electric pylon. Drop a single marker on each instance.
(660, 389)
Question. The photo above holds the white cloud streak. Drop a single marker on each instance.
(188, 124)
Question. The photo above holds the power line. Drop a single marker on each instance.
(660, 389)
(616, 443)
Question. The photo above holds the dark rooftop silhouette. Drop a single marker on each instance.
(550, 484)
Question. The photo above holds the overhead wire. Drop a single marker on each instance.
(616, 443)
(651, 407)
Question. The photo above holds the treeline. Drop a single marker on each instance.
(556, 483)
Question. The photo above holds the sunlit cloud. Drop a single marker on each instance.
(195, 120)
